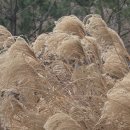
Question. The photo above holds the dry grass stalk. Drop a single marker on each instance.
(52, 48)
(6, 39)
(71, 25)
(71, 51)
(89, 90)
(115, 115)
(91, 50)
(61, 121)
(24, 83)
(35, 94)
(48, 43)
(21, 84)
(110, 45)
(39, 43)
(115, 67)
(88, 80)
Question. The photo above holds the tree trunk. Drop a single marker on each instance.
(101, 9)
(119, 16)
(15, 17)
(11, 18)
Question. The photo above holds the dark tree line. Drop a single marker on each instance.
(33, 17)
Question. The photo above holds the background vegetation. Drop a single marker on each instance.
(33, 17)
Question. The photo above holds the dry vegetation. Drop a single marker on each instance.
(6, 39)
(66, 80)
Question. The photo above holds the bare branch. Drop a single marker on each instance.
(126, 33)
